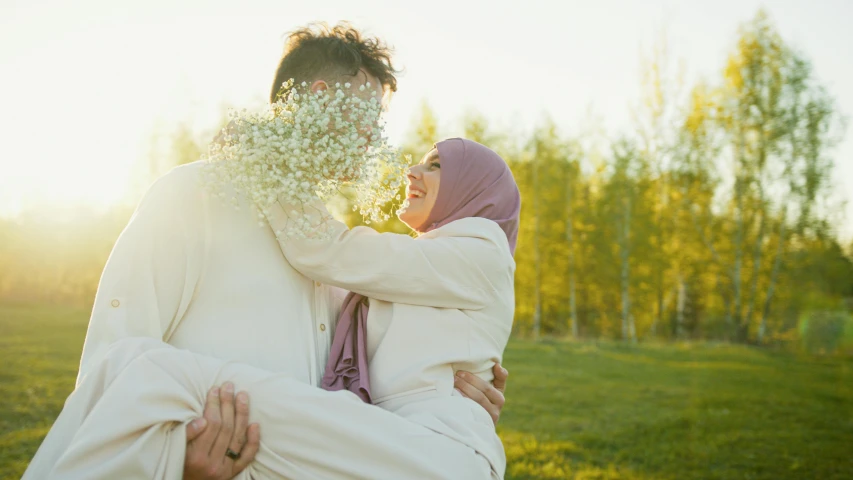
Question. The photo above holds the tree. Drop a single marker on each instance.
(623, 193)
(656, 119)
(776, 121)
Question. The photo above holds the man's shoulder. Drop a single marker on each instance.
(183, 177)
(181, 187)
(183, 180)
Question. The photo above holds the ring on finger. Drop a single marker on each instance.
(232, 454)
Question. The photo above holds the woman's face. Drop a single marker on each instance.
(422, 190)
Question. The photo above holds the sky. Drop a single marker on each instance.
(84, 84)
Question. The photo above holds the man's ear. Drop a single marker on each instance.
(319, 86)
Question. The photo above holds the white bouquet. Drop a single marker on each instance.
(308, 144)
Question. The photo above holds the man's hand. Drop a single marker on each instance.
(489, 395)
(224, 430)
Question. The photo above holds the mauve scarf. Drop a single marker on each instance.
(347, 365)
(475, 182)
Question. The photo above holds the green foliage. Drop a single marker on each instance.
(709, 220)
(826, 331)
(575, 410)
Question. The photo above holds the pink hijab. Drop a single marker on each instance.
(475, 182)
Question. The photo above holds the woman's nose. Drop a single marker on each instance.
(414, 172)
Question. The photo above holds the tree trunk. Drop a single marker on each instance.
(537, 312)
(573, 306)
(679, 309)
(756, 270)
(727, 303)
(738, 265)
(742, 331)
(627, 319)
(660, 267)
(573, 312)
(726, 297)
(774, 274)
(632, 329)
(659, 311)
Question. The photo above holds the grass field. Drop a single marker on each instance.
(575, 410)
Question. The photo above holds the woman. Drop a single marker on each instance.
(437, 304)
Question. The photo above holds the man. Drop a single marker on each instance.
(192, 271)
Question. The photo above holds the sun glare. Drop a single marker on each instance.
(84, 87)
(77, 137)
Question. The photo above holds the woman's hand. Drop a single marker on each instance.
(222, 434)
(489, 395)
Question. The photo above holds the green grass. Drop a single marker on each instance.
(575, 410)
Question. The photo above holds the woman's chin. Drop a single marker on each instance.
(404, 218)
(410, 219)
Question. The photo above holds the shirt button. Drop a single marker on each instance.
(322, 327)
(115, 303)
(317, 284)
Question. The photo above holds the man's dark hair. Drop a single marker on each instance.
(320, 52)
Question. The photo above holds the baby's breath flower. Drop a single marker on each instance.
(304, 144)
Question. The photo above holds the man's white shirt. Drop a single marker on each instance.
(192, 270)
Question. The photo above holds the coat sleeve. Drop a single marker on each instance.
(440, 271)
(150, 275)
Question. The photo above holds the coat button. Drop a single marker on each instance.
(115, 303)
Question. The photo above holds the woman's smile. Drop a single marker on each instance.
(415, 193)
(422, 190)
